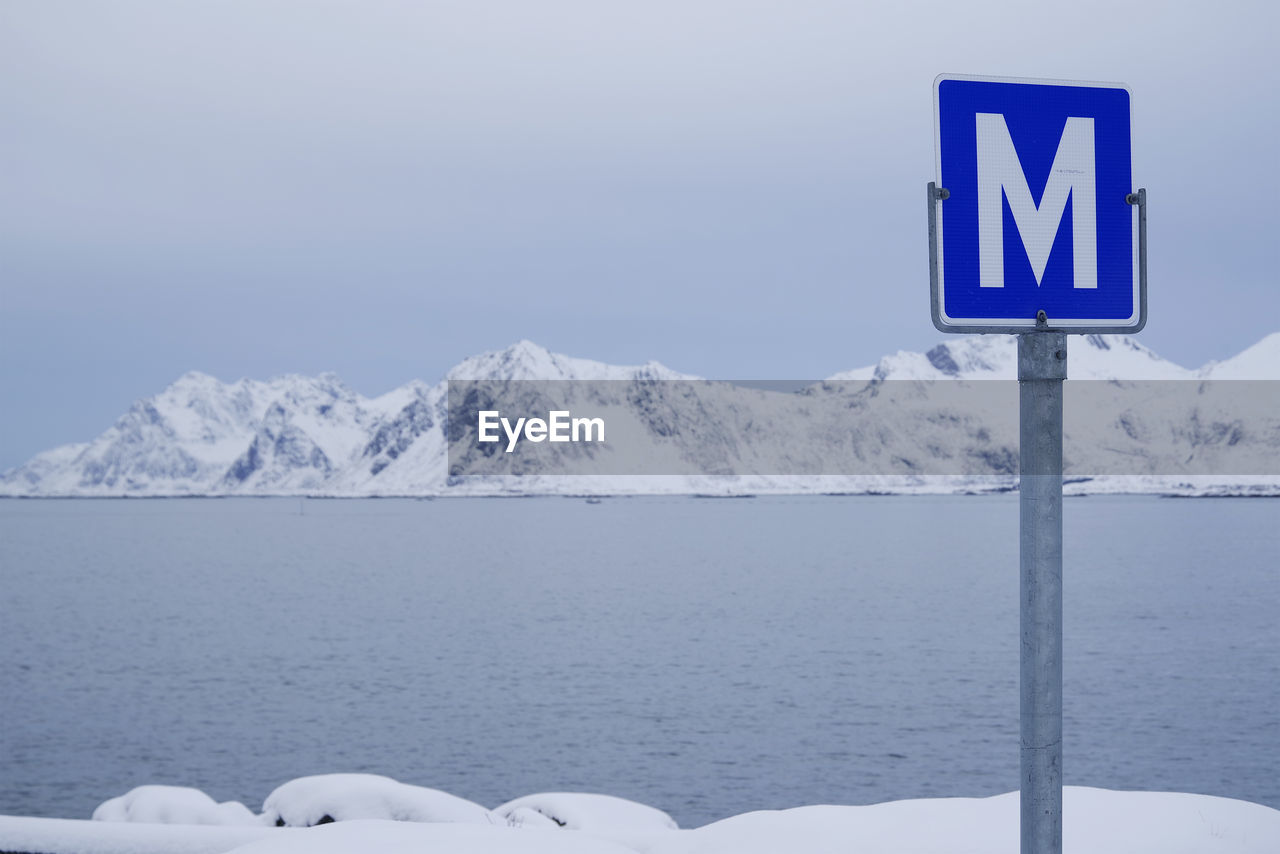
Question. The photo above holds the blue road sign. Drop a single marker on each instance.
(1037, 213)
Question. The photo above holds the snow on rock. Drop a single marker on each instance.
(995, 357)
(406, 454)
(1259, 362)
(525, 360)
(1096, 821)
(74, 836)
(173, 805)
(313, 429)
(384, 837)
(972, 357)
(528, 817)
(326, 798)
(44, 469)
(583, 811)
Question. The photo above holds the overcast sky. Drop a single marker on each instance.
(735, 189)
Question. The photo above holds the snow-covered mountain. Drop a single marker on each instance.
(313, 435)
(204, 436)
(1091, 357)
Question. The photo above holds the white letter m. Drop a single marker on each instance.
(1072, 175)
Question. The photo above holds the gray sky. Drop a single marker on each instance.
(733, 188)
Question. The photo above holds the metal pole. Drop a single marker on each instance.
(1042, 366)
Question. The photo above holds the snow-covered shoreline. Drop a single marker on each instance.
(1097, 821)
(1258, 487)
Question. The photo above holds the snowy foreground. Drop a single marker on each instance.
(341, 813)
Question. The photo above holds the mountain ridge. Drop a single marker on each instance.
(295, 434)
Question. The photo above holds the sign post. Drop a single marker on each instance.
(1032, 233)
(1042, 366)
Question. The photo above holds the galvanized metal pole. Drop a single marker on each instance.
(1042, 366)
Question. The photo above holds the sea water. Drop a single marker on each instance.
(705, 656)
